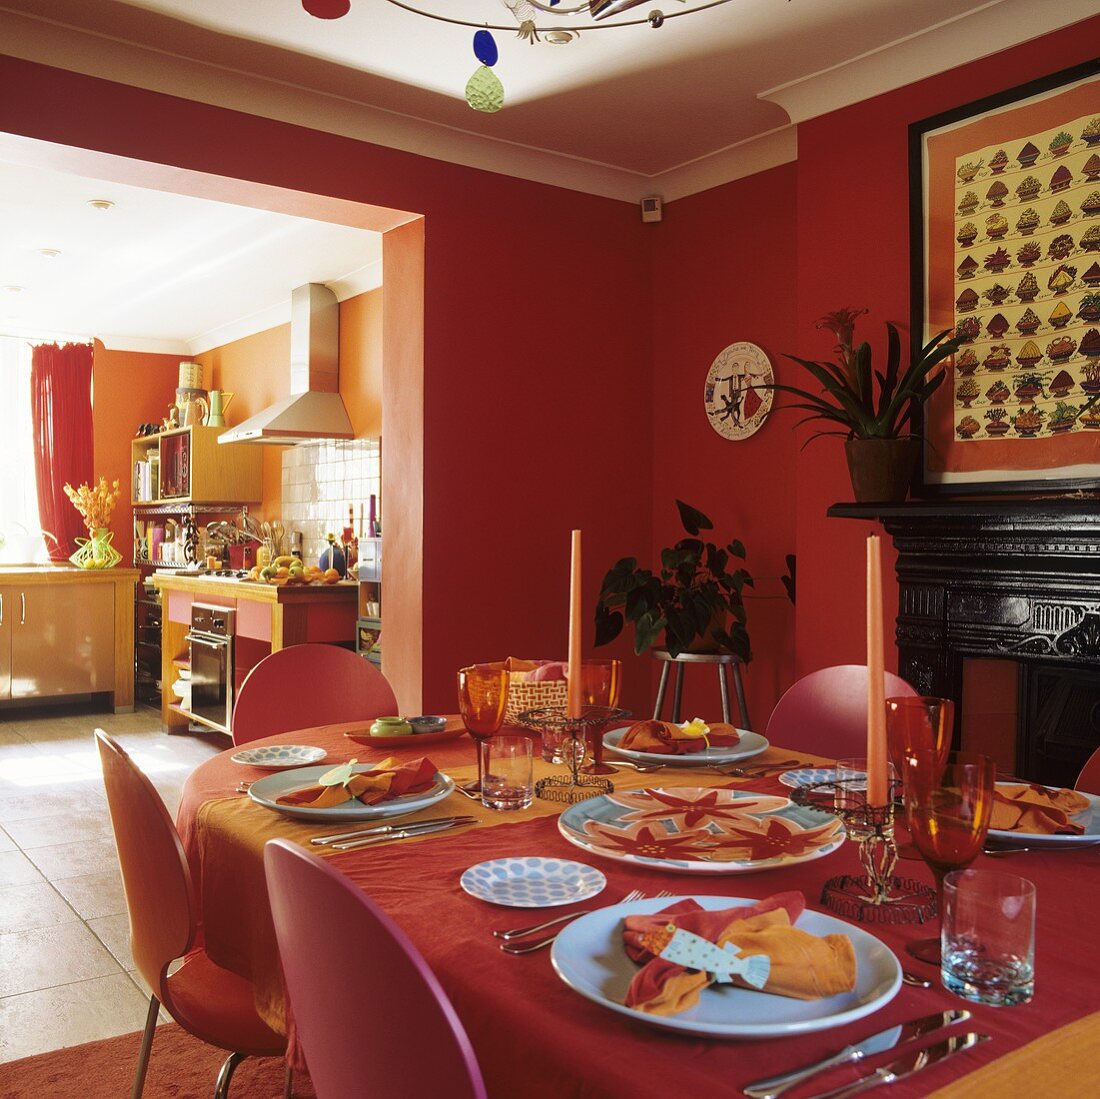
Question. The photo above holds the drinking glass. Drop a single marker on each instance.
(601, 681)
(989, 937)
(947, 804)
(914, 723)
(506, 771)
(482, 696)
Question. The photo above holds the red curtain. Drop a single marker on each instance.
(61, 405)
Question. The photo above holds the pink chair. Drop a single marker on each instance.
(213, 1004)
(825, 712)
(341, 954)
(1088, 781)
(307, 685)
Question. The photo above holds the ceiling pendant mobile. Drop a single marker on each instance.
(551, 21)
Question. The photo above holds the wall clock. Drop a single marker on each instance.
(734, 408)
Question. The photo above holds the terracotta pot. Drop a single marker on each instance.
(881, 469)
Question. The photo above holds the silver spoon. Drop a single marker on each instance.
(917, 982)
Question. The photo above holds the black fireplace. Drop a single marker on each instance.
(1013, 581)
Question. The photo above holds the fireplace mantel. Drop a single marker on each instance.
(1017, 580)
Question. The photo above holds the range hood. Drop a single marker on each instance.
(314, 409)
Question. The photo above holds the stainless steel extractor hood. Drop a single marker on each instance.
(314, 409)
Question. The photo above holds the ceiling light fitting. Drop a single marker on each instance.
(49, 253)
(100, 204)
(535, 21)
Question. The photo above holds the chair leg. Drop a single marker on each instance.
(288, 1083)
(229, 1066)
(146, 1046)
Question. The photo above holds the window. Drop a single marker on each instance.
(19, 523)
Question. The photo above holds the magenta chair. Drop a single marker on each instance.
(1088, 781)
(825, 712)
(308, 685)
(341, 954)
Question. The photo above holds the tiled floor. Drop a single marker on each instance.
(66, 975)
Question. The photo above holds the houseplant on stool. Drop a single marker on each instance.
(872, 408)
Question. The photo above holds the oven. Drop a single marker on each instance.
(211, 641)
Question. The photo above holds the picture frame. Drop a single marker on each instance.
(999, 216)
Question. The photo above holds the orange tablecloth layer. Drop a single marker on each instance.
(522, 1019)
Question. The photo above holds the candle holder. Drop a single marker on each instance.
(876, 896)
(574, 787)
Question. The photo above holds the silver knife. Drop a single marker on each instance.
(382, 829)
(868, 1047)
(402, 834)
(908, 1065)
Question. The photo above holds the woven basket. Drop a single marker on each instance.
(530, 696)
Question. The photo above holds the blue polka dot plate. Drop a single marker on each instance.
(532, 882)
(276, 756)
(807, 776)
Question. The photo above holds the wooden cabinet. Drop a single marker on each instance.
(192, 468)
(65, 634)
(6, 607)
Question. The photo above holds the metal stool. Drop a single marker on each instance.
(721, 661)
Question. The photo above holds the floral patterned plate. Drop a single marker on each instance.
(691, 830)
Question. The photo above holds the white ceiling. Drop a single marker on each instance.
(625, 112)
(159, 271)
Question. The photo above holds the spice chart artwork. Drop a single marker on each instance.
(1027, 285)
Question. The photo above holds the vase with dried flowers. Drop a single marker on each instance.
(871, 408)
(95, 505)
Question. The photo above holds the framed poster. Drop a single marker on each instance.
(1005, 247)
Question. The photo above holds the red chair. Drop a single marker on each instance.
(307, 685)
(209, 1002)
(337, 947)
(1088, 781)
(825, 712)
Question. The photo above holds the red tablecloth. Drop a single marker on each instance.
(534, 1036)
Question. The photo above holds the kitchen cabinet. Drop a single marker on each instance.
(65, 631)
(191, 467)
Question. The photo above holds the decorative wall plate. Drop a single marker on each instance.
(735, 409)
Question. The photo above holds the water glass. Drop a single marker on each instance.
(506, 772)
(988, 937)
(850, 787)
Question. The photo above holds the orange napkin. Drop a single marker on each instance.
(803, 966)
(388, 780)
(665, 738)
(1036, 810)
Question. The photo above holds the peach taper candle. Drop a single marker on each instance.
(876, 678)
(573, 699)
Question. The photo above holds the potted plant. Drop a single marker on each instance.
(694, 600)
(872, 408)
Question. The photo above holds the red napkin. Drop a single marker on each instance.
(387, 781)
(1036, 810)
(665, 738)
(803, 966)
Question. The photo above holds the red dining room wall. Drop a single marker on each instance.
(723, 264)
(853, 249)
(527, 402)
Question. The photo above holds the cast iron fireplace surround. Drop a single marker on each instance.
(1015, 580)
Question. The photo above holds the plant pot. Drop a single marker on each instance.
(881, 469)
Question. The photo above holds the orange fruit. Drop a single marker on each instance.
(331, 576)
(282, 572)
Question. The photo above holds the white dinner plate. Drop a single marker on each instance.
(706, 830)
(589, 957)
(1089, 817)
(267, 790)
(276, 757)
(751, 744)
(532, 881)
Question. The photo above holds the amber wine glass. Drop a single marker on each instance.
(482, 697)
(918, 722)
(947, 803)
(601, 681)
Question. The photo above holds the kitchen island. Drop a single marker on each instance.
(268, 617)
(66, 631)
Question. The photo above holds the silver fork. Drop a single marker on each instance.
(530, 948)
(534, 929)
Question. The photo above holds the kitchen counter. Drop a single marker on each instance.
(66, 631)
(269, 617)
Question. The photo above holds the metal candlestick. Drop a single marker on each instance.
(574, 787)
(874, 896)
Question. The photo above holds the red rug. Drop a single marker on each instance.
(181, 1067)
